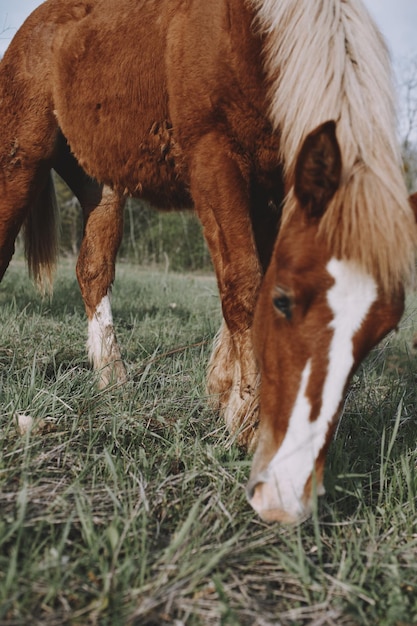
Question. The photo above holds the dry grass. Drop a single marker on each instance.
(127, 506)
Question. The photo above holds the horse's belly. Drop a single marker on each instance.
(147, 165)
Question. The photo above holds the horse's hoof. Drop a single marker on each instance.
(112, 375)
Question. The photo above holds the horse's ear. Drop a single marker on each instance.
(318, 169)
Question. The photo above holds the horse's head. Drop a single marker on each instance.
(317, 317)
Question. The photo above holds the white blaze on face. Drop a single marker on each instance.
(350, 299)
(101, 338)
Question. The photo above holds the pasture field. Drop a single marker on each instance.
(127, 506)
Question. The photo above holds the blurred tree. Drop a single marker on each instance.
(150, 237)
(409, 153)
(408, 119)
(71, 223)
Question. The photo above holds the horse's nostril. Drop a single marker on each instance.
(251, 488)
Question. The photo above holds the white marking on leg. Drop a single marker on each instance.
(350, 299)
(101, 338)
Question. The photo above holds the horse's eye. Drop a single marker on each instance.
(282, 302)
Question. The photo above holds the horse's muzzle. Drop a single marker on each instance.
(264, 498)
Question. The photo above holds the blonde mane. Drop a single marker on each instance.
(327, 60)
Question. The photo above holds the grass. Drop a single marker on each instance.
(127, 506)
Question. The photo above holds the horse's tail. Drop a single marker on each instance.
(41, 237)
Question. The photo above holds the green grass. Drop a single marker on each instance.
(127, 506)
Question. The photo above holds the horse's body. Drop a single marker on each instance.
(222, 105)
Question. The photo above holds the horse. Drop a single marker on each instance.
(275, 121)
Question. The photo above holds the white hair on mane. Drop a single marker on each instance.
(326, 60)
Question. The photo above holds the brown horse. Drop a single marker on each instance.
(269, 117)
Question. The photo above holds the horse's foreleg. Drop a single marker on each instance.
(103, 227)
(265, 218)
(95, 272)
(220, 371)
(221, 194)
